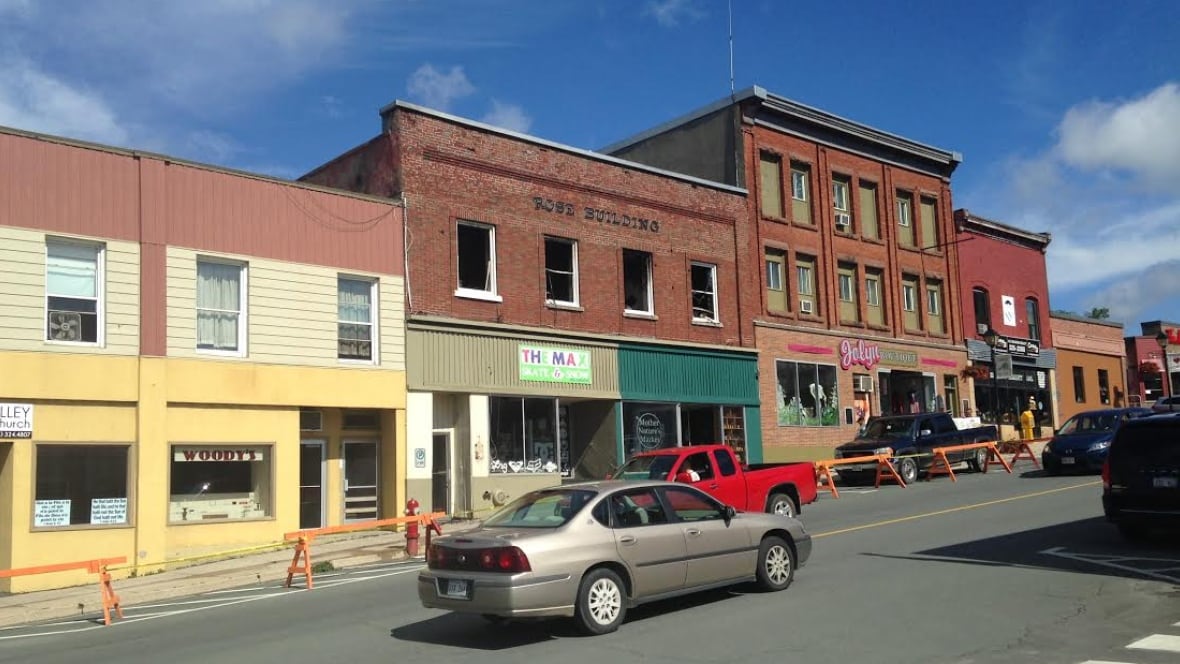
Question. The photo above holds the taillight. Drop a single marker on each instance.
(504, 559)
(1106, 473)
(509, 559)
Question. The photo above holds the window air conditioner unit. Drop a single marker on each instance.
(805, 307)
(862, 383)
(981, 328)
(843, 221)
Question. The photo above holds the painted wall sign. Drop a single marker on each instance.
(933, 362)
(604, 217)
(108, 510)
(194, 454)
(553, 365)
(16, 420)
(649, 431)
(859, 352)
(51, 513)
(1009, 308)
(1018, 347)
(812, 350)
(899, 358)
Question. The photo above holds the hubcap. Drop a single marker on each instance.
(605, 601)
(778, 564)
(783, 507)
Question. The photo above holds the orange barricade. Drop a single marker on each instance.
(301, 562)
(98, 566)
(942, 466)
(885, 470)
(1024, 451)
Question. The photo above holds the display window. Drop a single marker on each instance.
(527, 436)
(649, 426)
(220, 483)
(807, 394)
(81, 485)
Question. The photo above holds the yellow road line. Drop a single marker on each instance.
(952, 510)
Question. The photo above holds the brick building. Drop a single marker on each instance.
(1153, 367)
(564, 308)
(1005, 288)
(1091, 364)
(855, 303)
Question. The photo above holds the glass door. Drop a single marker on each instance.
(311, 483)
(360, 480)
(440, 475)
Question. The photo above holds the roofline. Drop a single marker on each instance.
(1083, 319)
(143, 154)
(1042, 239)
(811, 114)
(580, 152)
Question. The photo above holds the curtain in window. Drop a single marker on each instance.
(354, 307)
(219, 293)
(72, 271)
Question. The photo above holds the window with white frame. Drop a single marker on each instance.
(704, 292)
(221, 311)
(355, 306)
(805, 281)
(776, 287)
(873, 290)
(73, 292)
(841, 209)
(798, 182)
(476, 259)
(561, 271)
(637, 295)
(909, 297)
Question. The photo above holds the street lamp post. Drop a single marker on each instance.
(1162, 339)
(991, 338)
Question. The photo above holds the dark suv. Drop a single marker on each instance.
(1141, 477)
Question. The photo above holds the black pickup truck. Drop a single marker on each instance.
(907, 435)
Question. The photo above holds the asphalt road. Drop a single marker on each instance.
(993, 568)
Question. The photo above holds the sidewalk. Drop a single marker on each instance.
(264, 568)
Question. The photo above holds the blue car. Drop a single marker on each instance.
(1082, 443)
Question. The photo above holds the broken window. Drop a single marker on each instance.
(477, 257)
(704, 292)
(561, 271)
(637, 281)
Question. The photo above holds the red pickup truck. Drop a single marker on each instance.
(782, 488)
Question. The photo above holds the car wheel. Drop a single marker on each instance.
(601, 605)
(978, 462)
(776, 564)
(908, 469)
(781, 503)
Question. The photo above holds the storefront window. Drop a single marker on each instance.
(807, 394)
(525, 436)
(219, 483)
(649, 426)
(1004, 404)
(80, 485)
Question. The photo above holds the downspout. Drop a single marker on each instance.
(406, 251)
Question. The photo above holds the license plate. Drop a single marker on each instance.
(1067, 461)
(1164, 482)
(455, 588)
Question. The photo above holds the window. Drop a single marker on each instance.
(524, 436)
(805, 276)
(868, 211)
(1032, 312)
(80, 485)
(934, 307)
(849, 307)
(649, 426)
(477, 260)
(983, 309)
(637, 507)
(697, 467)
(704, 292)
(876, 312)
(354, 327)
(929, 220)
(1103, 386)
(771, 171)
(725, 464)
(220, 483)
(807, 394)
(905, 226)
(800, 205)
(1079, 385)
(221, 294)
(689, 505)
(561, 271)
(637, 296)
(909, 301)
(776, 287)
(841, 208)
(73, 292)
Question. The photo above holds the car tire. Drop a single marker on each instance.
(781, 503)
(908, 469)
(978, 462)
(602, 602)
(776, 564)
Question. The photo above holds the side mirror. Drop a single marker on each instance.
(924, 432)
(730, 512)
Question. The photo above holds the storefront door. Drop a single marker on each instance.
(440, 474)
(311, 483)
(360, 480)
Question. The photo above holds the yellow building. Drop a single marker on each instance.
(192, 360)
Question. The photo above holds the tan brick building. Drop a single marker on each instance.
(1091, 364)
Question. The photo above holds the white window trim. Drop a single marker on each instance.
(374, 321)
(575, 280)
(933, 301)
(476, 293)
(904, 212)
(779, 268)
(837, 204)
(799, 194)
(873, 293)
(100, 309)
(909, 296)
(243, 316)
(806, 284)
(716, 317)
(651, 302)
(850, 280)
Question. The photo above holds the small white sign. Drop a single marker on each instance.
(1009, 306)
(51, 513)
(419, 457)
(16, 420)
(108, 510)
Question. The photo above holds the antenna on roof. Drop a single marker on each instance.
(730, 5)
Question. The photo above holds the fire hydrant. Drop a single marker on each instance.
(412, 528)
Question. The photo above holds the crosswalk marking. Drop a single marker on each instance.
(1163, 642)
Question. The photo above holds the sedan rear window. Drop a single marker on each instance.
(551, 508)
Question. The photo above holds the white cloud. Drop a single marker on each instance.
(1131, 297)
(1140, 136)
(33, 100)
(508, 116)
(436, 89)
(671, 13)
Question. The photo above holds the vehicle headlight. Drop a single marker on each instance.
(1100, 445)
(1049, 447)
(883, 450)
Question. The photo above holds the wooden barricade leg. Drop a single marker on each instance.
(940, 466)
(885, 470)
(822, 470)
(994, 456)
(302, 550)
(109, 599)
(1025, 452)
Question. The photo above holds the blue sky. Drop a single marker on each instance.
(1067, 113)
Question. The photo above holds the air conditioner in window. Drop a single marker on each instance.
(65, 326)
(862, 383)
(981, 328)
(806, 307)
(843, 221)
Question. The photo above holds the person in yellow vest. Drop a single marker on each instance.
(1028, 420)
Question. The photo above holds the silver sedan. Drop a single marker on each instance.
(590, 551)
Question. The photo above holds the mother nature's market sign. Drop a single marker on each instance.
(553, 365)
